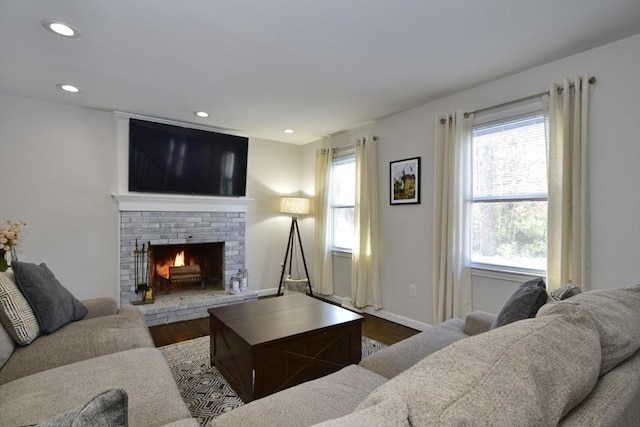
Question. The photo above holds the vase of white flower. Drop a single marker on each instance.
(9, 237)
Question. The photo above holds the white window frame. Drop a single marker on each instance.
(339, 156)
(507, 114)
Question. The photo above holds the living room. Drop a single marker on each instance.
(60, 167)
(63, 175)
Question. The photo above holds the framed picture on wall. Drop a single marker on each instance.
(405, 181)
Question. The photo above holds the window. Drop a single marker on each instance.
(509, 215)
(343, 196)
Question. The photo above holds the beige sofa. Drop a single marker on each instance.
(577, 363)
(108, 348)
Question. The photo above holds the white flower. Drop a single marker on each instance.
(9, 234)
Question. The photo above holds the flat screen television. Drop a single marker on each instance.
(178, 160)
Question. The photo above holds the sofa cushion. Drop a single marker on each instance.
(154, 398)
(53, 305)
(16, 314)
(613, 401)
(108, 408)
(7, 346)
(527, 373)
(393, 412)
(616, 314)
(332, 396)
(79, 341)
(524, 303)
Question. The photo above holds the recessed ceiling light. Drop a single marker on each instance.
(201, 114)
(60, 28)
(68, 88)
(287, 130)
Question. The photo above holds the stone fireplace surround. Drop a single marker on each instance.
(164, 220)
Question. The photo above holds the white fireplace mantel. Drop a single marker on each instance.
(166, 202)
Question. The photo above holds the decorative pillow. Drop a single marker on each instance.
(564, 292)
(52, 304)
(16, 314)
(524, 303)
(616, 315)
(109, 408)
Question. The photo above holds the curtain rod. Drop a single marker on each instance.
(351, 146)
(592, 80)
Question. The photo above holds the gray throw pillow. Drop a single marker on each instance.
(109, 408)
(524, 303)
(53, 305)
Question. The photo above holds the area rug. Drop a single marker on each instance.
(203, 388)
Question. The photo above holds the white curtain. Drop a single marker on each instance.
(323, 261)
(566, 116)
(452, 215)
(365, 277)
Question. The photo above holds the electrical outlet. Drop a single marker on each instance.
(412, 290)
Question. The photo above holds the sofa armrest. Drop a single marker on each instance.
(397, 358)
(478, 322)
(98, 307)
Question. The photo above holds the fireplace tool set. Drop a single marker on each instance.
(141, 274)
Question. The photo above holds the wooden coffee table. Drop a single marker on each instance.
(264, 346)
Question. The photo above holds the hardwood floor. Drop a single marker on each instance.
(373, 327)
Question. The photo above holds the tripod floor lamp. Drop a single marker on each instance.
(294, 206)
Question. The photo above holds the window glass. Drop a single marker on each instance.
(509, 212)
(343, 189)
(509, 158)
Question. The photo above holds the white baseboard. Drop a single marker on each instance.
(346, 303)
(396, 318)
(267, 292)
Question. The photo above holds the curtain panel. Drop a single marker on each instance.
(365, 266)
(323, 261)
(566, 110)
(452, 217)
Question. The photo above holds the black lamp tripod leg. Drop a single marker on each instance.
(286, 254)
(304, 261)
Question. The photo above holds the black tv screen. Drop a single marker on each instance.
(172, 159)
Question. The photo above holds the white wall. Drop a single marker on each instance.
(614, 162)
(57, 173)
(274, 170)
(58, 169)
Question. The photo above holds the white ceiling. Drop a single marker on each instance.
(260, 66)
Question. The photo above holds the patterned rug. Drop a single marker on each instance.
(203, 388)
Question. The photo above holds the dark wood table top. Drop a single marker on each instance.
(271, 319)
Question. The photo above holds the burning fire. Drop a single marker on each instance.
(179, 261)
(163, 269)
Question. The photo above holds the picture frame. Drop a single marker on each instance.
(404, 181)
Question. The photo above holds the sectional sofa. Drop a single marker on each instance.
(103, 365)
(576, 363)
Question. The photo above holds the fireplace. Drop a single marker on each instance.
(175, 267)
(173, 224)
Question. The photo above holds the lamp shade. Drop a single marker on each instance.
(294, 205)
